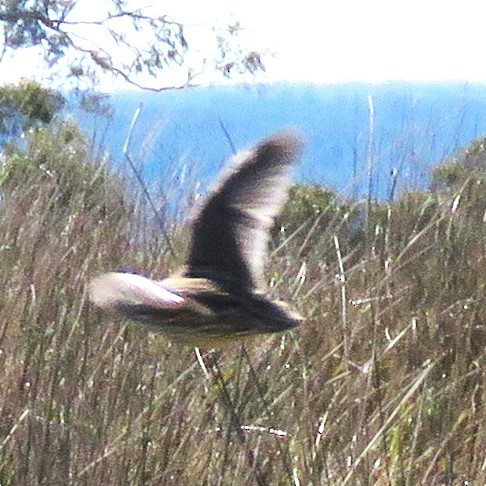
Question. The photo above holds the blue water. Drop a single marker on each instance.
(415, 126)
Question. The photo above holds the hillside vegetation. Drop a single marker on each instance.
(383, 384)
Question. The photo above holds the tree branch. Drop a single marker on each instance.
(56, 34)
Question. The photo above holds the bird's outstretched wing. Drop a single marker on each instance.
(231, 232)
(122, 291)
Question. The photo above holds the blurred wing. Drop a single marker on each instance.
(125, 291)
(231, 233)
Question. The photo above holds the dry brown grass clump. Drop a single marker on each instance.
(383, 384)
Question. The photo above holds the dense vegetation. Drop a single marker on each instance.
(383, 384)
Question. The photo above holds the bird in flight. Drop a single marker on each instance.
(218, 295)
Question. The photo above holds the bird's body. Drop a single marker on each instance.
(218, 294)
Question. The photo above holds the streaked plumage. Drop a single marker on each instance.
(218, 295)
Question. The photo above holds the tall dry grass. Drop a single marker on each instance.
(383, 384)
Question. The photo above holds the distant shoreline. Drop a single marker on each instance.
(416, 126)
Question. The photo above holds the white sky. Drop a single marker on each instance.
(337, 40)
(372, 40)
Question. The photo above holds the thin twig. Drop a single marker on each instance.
(133, 14)
(227, 135)
(201, 362)
(286, 459)
(140, 180)
(371, 145)
(344, 310)
(23, 415)
(235, 418)
(428, 367)
(124, 435)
